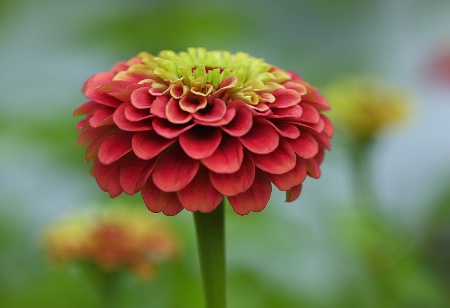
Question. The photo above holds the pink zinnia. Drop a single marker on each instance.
(188, 129)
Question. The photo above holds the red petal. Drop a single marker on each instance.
(178, 90)
(255, 198)
(285, 98)
(133, 114)
(310, 114)
(114, 86)
(305, 145)
(114, 147)
(175, 114)
(92, 149)
(215, 111)
(227, 158)
(319, 126)
(235, 183)
(157, 200)
(90, 134)
(280, 161)
(174, 170)
(169, 130)
(125, 94)
(123, 123)
(227, 118)
(313, 168)
(191, 103)
(200, 141)
(293, 193)
(199, 194)
(285, 129)
(315, 98)
(289, 112)
(261, 139)
(102, 116)
(107, 177)
(134, 173)
(147, 145)
(82, 124)
(141, 98)
(91, 92)
(298, 87)
(241, 124)
(85, 108)
(158, 107)
(328, 129)
(292, 178)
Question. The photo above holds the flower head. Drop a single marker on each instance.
(363, 107)
(186, 129)
(112, 239)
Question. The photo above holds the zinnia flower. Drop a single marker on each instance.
(363, 107)
(186, 129)
(112, 239)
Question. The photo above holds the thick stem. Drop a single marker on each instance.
(210, 228)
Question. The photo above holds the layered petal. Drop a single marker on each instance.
(123, 123)
(291, 178)
(157, 200)
(253, 199)
(141, 98)
(107, 177)
(241, 123)
(134, 172)
(147, 145)
(200, 194)
(200, 142)
(174, 170)
(114, 147)
(227, 158)
(234, 183)
(169, 130)
(280, 161)
(293, 193)
(305, 146)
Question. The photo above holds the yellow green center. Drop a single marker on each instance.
(207, 72)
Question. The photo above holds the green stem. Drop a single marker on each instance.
(364, 186)
(361, 170)
(210, 228)
(109, 289)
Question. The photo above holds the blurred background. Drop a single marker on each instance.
(374, 231)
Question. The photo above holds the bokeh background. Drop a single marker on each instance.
(327, 249)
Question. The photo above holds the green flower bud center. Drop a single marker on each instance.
(237, 76)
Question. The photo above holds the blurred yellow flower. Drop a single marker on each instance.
(112, 239)
(362, 107)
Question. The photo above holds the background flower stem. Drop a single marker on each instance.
(210, 228)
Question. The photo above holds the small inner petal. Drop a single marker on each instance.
(141, 98)
(214, 111)
(175, 114)
(192, 103)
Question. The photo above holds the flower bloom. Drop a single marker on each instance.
(112, 240)
(363, 107)
(186, 129)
